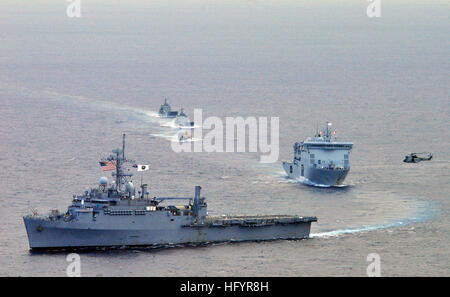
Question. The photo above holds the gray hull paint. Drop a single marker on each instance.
(44, 233)
(316, 176)
(112, 215)
(321, 160)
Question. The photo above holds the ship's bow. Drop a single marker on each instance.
(33, 226)
(327, 177)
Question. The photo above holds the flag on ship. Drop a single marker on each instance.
(107, 165)
(142, 167)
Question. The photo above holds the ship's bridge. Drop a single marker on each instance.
(327, 145)
(322, 153)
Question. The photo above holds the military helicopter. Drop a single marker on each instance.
(417, 157)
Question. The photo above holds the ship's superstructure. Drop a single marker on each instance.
(320, 160)
(181, 119)
(114, 214)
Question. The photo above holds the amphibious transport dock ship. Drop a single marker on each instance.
(320, 160)
(114, 215)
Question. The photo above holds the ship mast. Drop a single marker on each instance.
(120, 175)
(123, 147)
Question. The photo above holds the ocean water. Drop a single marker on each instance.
(69, 88)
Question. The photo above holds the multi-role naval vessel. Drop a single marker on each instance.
(114, 215)
(320, 160)
(181, 119)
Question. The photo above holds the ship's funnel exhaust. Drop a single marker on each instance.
(197, 193)
(195, 207)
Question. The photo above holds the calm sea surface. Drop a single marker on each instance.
(70, 87)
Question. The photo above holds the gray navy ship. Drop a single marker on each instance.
(320, 160)
(181, 119)
(114, 215)
(165, 111)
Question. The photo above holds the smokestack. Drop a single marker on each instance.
(196, 199)
(197, 192)
(123, 147)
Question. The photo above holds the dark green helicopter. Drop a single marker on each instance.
(417, 157)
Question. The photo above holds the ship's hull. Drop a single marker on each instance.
(316, 176)
(47, 234)
(184, 123)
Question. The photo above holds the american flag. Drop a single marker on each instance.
(108, 165)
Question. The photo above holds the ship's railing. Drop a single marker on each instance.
(252, 221)
(326, 166)
(52, 215)
(37, 216)
(175, 210)
(328, 145)
(173, 198)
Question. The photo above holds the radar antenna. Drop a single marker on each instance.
(123, 147)
(120, 175)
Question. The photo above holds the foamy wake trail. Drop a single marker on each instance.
(425, 211)
(99, 103)
(173, 137)
(165, 136)
(336, 233)
(190, 140)
(144, 114)
(304, 181)
(151, 113)
(167, 123)
(173, 125)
